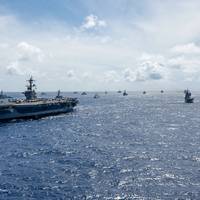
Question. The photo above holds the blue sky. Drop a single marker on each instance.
(72, 10)
(100, 44)
(33, 10)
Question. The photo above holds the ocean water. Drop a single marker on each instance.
(142, 147)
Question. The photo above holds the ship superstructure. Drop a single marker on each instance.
(33, 107)
(3, 96)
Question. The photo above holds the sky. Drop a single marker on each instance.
(98, 45)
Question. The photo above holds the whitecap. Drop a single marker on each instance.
(125, 170)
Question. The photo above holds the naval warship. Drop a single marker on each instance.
(188, 98)
(96, 96)
(3, 96)
(33, 107)
(125, 93)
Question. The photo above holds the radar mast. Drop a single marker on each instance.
(30, 93)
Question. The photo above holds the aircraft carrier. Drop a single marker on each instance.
(34, 107)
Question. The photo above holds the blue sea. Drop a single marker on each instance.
(143, 147)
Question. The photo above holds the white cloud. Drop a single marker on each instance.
(103, 55)
(14, 69)
(29, 52)
(129, 75)
(146, 71)
(151, 70)
(184, 68)
(21, 59)
(92, 22)
(190, 48)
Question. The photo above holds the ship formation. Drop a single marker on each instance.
(34, 107)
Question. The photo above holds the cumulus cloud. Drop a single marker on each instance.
(129, 75)
(146, 71)
(24, 60)
(93, 22)
(190, 48)
(151, 70)
(15, 69)
(184, 68)
(117, 55)
(184, 62)
(29, 52)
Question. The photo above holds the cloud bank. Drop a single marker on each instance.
(128, 45)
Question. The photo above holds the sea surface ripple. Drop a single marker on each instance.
(143, 147)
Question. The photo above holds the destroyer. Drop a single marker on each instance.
(96, 96)
(3, 96)
(188, 98)
(33, 107)
(125, 93)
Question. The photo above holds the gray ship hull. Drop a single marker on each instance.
(15, 115)
(34, 110)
